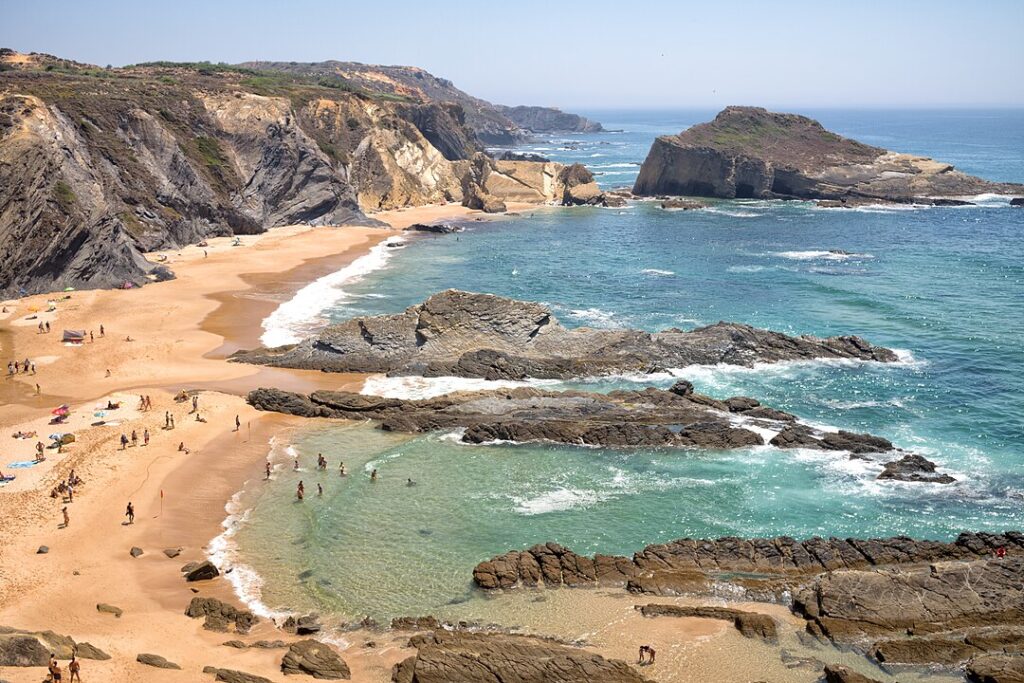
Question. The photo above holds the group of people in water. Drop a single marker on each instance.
(321, 465)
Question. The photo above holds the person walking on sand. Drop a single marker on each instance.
(129, 512)
(124, 442)
(38, 389)
(238, 423)
(300, 492)
(172, 422)
(103, 332)
(135, 438)
(145, 437)
(91, 337)
(67, 520)
(47, 326)
(268, 470)
(167, 419)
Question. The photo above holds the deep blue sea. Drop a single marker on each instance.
(945, 286)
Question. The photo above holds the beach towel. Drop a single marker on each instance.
(21, 464)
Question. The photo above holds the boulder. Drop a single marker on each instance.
(996, 668)
(315, 659)
(171, 553)
(414, 623)
(220, 615)
(437, 228)
(234, 676)
(915, 468)
(841, 674)
(1017, 201)
(42, 550)
(445, 656)
(136, 551)
(32, 648)
(203, 571)
(155, 661)
(109, 609)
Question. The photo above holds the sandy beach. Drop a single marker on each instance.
(159, 340)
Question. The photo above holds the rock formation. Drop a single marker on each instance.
(464, 334)
(619, 419)
(445, 656)
(220, 615)
(316, 659)
(748, 152)
(750, 624)
(549, 120)
(33, 648)
(901, 601)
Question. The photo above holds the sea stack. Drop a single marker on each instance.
(750, 152)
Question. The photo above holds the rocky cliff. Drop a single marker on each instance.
(98, 165)
(748, 152)
(492, 124)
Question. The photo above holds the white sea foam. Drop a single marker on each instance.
(557, 500)
(732, 213)
(416, 387)
(657, 271)
(636, 166)
(819, 255)
(223, 550)
(594, 316)
(744, 269)
(301, 315)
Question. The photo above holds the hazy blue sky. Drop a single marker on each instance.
(627, 53)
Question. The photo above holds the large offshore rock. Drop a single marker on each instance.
(481, 335)
(749, 152)
(445, 656)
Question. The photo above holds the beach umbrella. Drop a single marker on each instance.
(56, 437)
(61, 410)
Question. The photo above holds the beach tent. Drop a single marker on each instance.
(74, 336)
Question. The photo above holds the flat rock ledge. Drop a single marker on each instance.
(19, 647)
(444, 656)
(902, 601)
(156, 661)
(234, 676)
(677, 417)
(750, 624)
(464, 334)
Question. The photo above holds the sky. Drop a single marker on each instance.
(584, 55)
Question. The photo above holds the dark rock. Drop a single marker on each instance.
(996, 668)
(1017, 201)
(109, 609)
(135, 551)
(414, 623)
(913, 467)
(509, 155)
(156, 661)
(315, 659)
(233, 676)
(682, 388)
(840, 674)
(683, 204)
(220, 615)
(204, 571)
(171, 553)
(42, 550)
(748, 152)
(445, 656)
(438, 228)
(307, 625)
(32, 648)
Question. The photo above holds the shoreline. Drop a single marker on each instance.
(179, 331)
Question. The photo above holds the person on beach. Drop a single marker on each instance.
(182, 449)
(145, 437)
(47, 326)
(91, 337)
(268, 470)
(200, 418)
(195, 404)
(38, 390)
(39, 452)
(67, 520)
(40, 328)
(108, 372)
(167, 419)
(135, 438)
(102, 331)
(71, 492)
(373, 475)
(172, 422)
(238, 423)
(124, 442)
(74, 669)
(54, 668)
(300, 492)
(129, 512)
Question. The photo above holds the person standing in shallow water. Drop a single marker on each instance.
(300, 492)
(373, 475)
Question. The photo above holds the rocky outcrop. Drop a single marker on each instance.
(316, 659)
(840, 674)
(481, 335)
(748, 152)
(549, 120)
(913, 467)
(619, 419)
(200, 571)
(683, 205)
(234, 676)
(33, 648)
(220, 615)
(750, 624)
(996, 669)
(899, 600)
(445, 656)
(156, 661)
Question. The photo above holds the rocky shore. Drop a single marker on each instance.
(465, 334)
(901, 601)
(749, 152)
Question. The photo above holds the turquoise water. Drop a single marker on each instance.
(944, 285)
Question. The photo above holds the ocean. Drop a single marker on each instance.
(944, 286)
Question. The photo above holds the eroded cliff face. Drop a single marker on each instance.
(748, 152)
